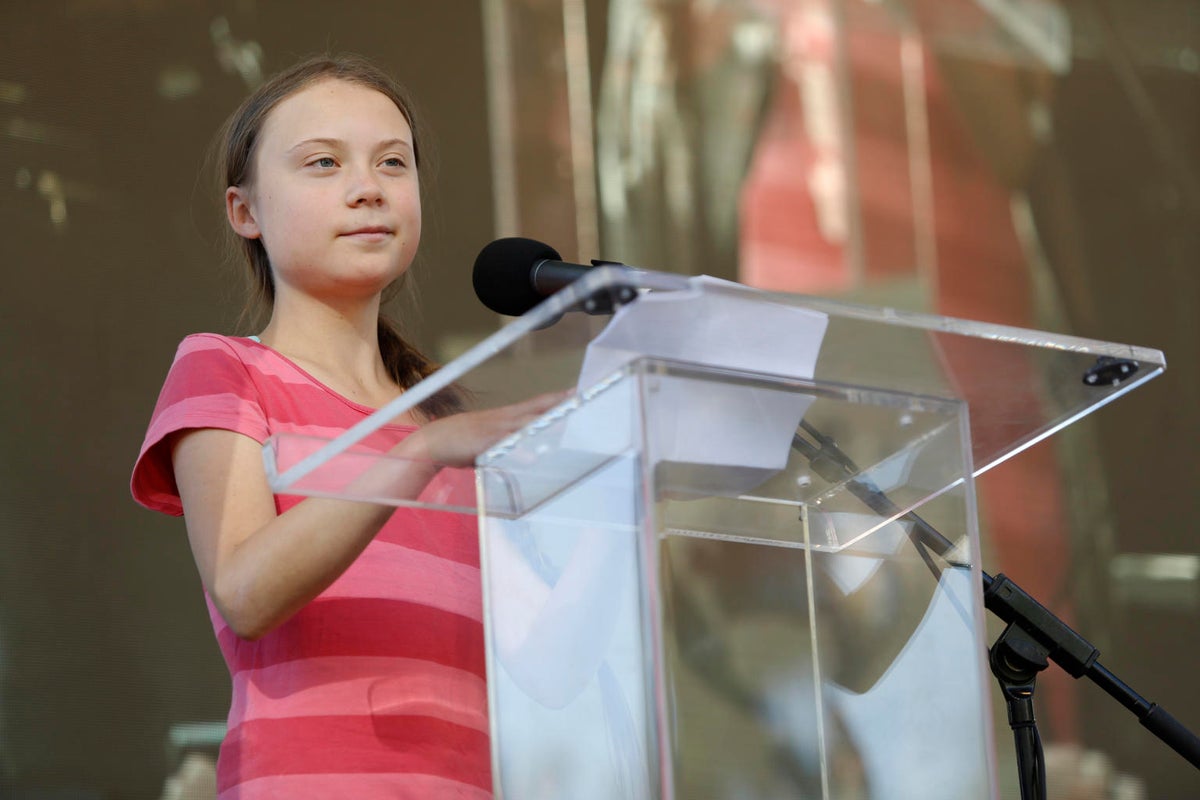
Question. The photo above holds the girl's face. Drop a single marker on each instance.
(335, 197)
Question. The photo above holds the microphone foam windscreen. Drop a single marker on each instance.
(502, 275)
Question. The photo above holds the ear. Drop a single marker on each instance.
(240, 213)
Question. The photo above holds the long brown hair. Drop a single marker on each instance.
(238, 143)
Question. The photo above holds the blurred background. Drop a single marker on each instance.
(1027, 162)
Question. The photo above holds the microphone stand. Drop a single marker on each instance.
(1034, 636)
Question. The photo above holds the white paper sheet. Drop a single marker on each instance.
(710, 437)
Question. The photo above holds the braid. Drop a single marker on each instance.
(408, 366)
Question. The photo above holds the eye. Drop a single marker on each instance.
(396, 162)
(324, 162)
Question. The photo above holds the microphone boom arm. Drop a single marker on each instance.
(1034, 634)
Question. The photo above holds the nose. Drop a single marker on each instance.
(364, 189)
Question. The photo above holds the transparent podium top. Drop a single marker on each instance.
(1019, 385)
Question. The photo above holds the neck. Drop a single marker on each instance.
(338, 342)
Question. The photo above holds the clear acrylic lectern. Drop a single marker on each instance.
(701, 573)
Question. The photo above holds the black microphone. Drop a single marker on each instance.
(513, 275)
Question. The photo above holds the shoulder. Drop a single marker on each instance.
(215, 346)
(216, 358)
(210, 364)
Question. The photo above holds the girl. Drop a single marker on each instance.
(352, 632)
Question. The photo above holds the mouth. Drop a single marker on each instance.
(370, 231)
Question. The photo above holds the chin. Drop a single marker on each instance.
(375, 276)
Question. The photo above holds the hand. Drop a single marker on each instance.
(456, 441)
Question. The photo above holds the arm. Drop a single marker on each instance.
(261, 568)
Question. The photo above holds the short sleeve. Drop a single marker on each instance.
(208, 386)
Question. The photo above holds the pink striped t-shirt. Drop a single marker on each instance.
(376, 688)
